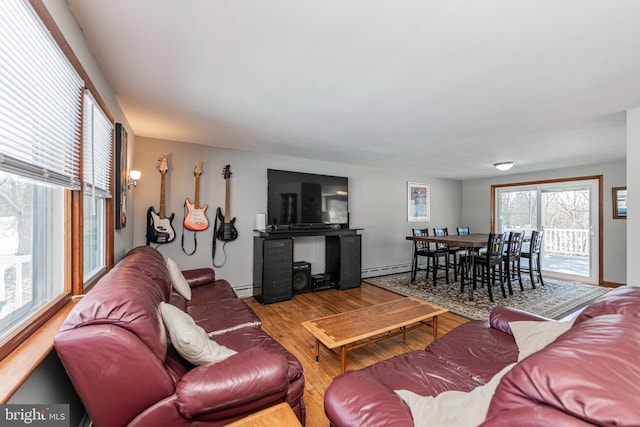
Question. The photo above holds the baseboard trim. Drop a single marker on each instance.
(612, 284)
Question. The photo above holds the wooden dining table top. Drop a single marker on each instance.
(473, 240)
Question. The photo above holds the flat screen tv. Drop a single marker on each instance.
(306, 200)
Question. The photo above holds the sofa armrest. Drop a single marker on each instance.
(356, 398)
(199, 276)
(247, 381)
(500, 317)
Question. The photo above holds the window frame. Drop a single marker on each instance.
(599, 221)
(73, 257)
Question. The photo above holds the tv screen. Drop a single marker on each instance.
(306, 199)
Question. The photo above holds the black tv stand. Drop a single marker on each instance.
(273, 260)
(309, 226)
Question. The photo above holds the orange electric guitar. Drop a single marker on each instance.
(196, 218)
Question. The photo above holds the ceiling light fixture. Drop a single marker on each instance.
(504, 166)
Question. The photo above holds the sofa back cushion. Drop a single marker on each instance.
(590, 372)
(148, 251)
(622, 300)
(128, 299)
(151, 262)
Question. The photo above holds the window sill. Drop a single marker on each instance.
(20, 363)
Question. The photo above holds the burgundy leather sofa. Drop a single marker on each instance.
(115, 350)
(590, 375)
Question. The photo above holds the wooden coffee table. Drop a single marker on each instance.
(357, 328)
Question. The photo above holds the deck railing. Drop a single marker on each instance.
(566, 241)
(12, 293)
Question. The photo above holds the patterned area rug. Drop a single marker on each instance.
(555, 300)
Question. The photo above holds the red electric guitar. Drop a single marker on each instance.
(196, 218)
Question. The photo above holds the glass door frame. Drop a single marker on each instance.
(599, 219)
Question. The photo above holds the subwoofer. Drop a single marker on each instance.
(301, 281)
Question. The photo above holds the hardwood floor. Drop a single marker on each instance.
(283, 322)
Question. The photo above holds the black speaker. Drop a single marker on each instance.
(343, 260)
(301, 280)
(272, 269)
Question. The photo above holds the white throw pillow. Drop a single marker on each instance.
(452, 408)
(532, 336)
(178, 281)
(189, 339)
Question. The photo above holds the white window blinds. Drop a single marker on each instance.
(97, 142)
(40, 101)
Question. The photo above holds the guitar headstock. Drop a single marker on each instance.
(226, 172)
(198, 169)
(163, 164)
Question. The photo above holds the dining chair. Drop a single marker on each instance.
(487, 263)
(433, 258)
(462, 257)
(511, 259)
(454, 252)
(533, 255)
(463, 230)
(420, 249)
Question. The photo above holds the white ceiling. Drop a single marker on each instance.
(443, 86)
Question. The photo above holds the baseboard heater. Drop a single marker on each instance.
(383, 271)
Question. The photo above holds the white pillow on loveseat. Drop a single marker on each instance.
(532, 336)
(190, 340)
(178, 281)
(459, 408)
(452, 408)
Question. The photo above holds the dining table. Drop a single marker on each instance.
(469, 242)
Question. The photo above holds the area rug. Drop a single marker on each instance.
(555, 300)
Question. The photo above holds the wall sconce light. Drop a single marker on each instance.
(134, 177)
(504, 166)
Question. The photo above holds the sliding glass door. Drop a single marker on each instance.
(568, 213)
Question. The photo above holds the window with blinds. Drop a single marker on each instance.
(97, 152)
(41, 99)
(97, 142)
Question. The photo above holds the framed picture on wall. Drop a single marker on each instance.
(418, 201)
(619, 202)
(121, 176)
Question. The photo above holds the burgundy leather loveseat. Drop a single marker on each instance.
(115, 349)
(590, 375)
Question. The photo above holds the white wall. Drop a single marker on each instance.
(377, 204)
(476, 196)
(633, 203)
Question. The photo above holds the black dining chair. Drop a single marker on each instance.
(463, 230)
(454, 252)
(487, 263)
(511, 259)
(462, 256)
(420, 249)
(424, 249)
(533, 255)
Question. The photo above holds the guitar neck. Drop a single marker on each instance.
(162, 201)
(227, 198)
(197, 198)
